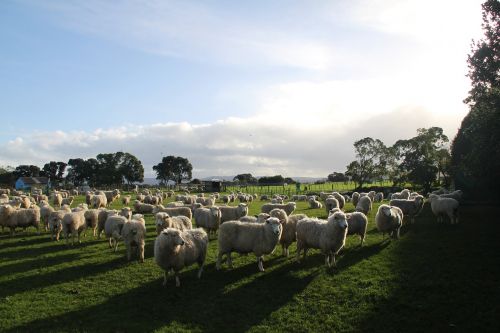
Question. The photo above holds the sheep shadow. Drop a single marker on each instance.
(22, 240)
(203, 305)
(36, 263)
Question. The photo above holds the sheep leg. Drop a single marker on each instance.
(327, 260)
(177, 280)
(141, 252)
(200, 270)
(110, 242)
(129, 252)
(165, 276)
(219, 259)
(260, 262)
(229, 260)
(297, 256)
(116, 245)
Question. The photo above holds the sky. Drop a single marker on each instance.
(265, 87)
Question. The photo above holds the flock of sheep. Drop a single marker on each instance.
(179, 245)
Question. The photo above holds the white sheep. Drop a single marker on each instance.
(13, 218)
(99, 200)
(364, 205)
(410, 207)
(314, 204)
(379, 197)
(330, 203)
(233, 213)
(45, 211)
(113, 229)
(127, 212)
(240, 237)
(73, 224)
(164, 220)
(57, 200)
(355, 198)
(126, 200)
(111, 196)
(389, 219)
(134, 234)
(328, 236)
(175, 249)
(143, 208)
(55, 222)
(288, 207)
(260, 218)
(91, 219)
(444, 206)
(68, 201)
(208, 218)
(357, 223)
(340, 198)
(288, 224)
(174, 211)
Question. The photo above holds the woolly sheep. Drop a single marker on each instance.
(133, 235)
(126, 212)
(315, 204)
(328, 236)
(379, 197)
(163, 221)
(288, 224)
(277, 201)
(444, 206)
(73, 224)
(111, 196)
(357, 222)
(174, 211)
(99, 200)
(57, 200)
(208, 218)
(68, 201)
(240, 237)
(91, 219)
(88, 197)
(457, 195)
(260, 218)
(404, 194)
(389, 219)
(113, 229)
(101, 219)
(175, 249)
(330, 203)
(299, 197)
(55, 222)
(340, 198)
(206, 201)
(173, 204)
(45, 211)
(19, 218)
(233, 213)
(288, 207)
(355, 198)
(143, 208)
(364, 205)
(126, 200)
(410, 207)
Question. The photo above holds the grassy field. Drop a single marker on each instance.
(436, 278)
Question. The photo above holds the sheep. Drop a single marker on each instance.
(73, 223)
(68, 201)
(288, 224)
(208, 218)
(127, 212)
(111, 196)
(5, 191)
(410, 207)
(99, 200)
(379, 197)
(277, 201)
(389, 219)
(288, 207)
(364, 205)
(357, 222)
(355, 198)
(259, 238)
(113, 229)
(300, 197)
(315, 204)
(327, 235)
(133, 234)
(88, 197)
(264, 197)
(371, 195)
(444, 206)
(57, 200)
(175, 249)
(4, 198)
(457, 195)
(163, 221)
(233, 213)
(173, 204)
(13, 218)
(143, 208)
(174, 211)
(55, 222)
(330, 203)
(126, 200)
(45, 211)
(404, 194)
(260, 218)
(101, 219)
(140, 197)
(25, 202)
(340, 198)
(206, 201)
(91, 219)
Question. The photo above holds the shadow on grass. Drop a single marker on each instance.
(446, 278)
(22, 240)
(36, 263)
(204, 304)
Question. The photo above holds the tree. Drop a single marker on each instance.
(7, 175)
(54, 170)
(369, 164)
(475, 152)
(278, 179)
(76, 172)
(337, 177)
(245, 178)
(27, 171)
(289, 180)
(173, 168)
(109, 168)
(131, 169)
(421, 156)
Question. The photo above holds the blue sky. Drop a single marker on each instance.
(236, 86)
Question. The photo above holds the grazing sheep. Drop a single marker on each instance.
(299, 197)
(410, 207)
(143, 208)
(355, 198)
(364, 205)
(73, 224)
(208, 218)
(260, 218)
(45, 211)
(357, 223)
(288, 207)
(277, 201)
(126, 200)
(330, 203)
(340, 198)
(315, 204)
(88, 197)
(379, 197)
(206, 201)
(328, 236)
(233, 213)
(57, 200)
(259, 238)
(133, 235)
(457, 195)
(91, 219)
(55, 222)
(444, 206)
(68, 201)
(173, 204)
(127, 212)
(175, 249)
(288, 224)
(404, 194)
(99, 200)
(111, 196)
(174, 211)
(113, 229)
(101, 219)
(389, 219)
(163, 221)
(13, 218)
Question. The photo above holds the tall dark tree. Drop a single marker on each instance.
(54, 170)
(337, 177)
(76, 171)
(245, 178)
(131, 169)
(109, 168)
(173, 168)
(91, 172)
(7, 176)
(475, 153)
(26, 171)
(275, 180)
(369, 163)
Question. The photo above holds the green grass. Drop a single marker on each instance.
(435, 278)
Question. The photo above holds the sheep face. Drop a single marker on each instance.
(340, 219)
(174, 236)
(275, 224)
(333, 211)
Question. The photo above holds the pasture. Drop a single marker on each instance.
(437, 277)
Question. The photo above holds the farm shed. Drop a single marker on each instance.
(28, 183)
